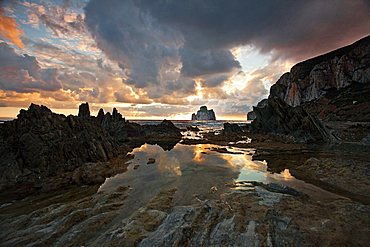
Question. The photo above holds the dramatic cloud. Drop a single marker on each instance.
(160, 44)
(22, 73)
(164, 57)
(10, 30)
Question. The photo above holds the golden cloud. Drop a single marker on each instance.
(9, 29)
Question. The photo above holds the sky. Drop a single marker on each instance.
(165, 58)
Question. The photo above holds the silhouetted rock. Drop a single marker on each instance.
(277, 117)
(40, 144)
(232, 129)
(165, 130)
(100, 115)
(251, 115)
(84, 111)
(204, 114)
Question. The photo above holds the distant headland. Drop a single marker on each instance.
(204, 114)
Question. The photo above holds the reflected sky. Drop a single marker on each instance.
(194, 170)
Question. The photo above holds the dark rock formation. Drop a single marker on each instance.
(100, 115)
(204, 114)
(40, 144)
(279, 118)
(331, 87)
(84, 111)
(311, 79)
(251, 115)
(232, 129)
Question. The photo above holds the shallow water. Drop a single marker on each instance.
(197, 171)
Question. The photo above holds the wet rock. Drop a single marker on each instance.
(192, 128)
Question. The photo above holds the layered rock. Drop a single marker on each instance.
(279, 118)
(332, 87)
(311, 79)
(204, 114)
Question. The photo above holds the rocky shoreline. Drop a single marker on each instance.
(42, 151)
(310, 129)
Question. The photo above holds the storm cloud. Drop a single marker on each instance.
(162, 42)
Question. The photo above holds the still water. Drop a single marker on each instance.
(196, 171)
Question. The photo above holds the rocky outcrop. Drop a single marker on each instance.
(331, 87)
(277, 117)
(310, 79)
(204, 114)
(165, 134)
(251, 115)
(40, 144)
(84, 110)
(231, 129)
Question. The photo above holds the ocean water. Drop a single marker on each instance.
(202, 125)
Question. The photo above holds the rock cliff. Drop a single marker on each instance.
(311, 79)
(331, 87)
(204, 114)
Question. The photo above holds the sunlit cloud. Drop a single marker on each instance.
(10, 30)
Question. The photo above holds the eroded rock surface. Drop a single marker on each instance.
(310, 79)
(253, 217)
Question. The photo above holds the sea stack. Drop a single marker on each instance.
(204, 114)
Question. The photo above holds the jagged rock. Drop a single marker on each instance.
(251, 115)
(311, 79)
(40, 144)
(277, 117)
(84, 111)
(204, 114)
(116, 116)
(100, 115)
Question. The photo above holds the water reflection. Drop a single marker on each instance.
(193, 170)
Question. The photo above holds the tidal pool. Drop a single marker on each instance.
(197, 171)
